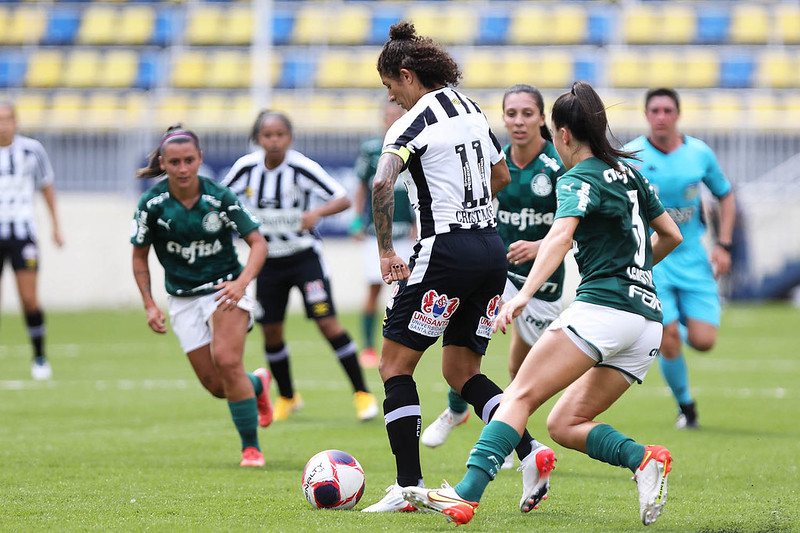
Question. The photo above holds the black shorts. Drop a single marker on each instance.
(302, 270)
(24, 254)
(454, 291)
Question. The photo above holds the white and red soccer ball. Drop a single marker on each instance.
(333, 479)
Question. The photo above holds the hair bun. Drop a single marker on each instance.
(402, 31)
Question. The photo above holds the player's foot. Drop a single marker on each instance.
(435, 434)
(284, 407)
(40, 369)
(252, 457)
(536, 469)
(262, 400)
(368, 358)
(651, 480)
(366, 405)
(391, 503)
(445, 501)
(687, 418)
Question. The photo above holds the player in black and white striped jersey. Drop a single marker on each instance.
(290, 193)
(24, 168)
(453, 282)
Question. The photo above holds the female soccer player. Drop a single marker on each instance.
(282, 186)
(25, 167)
(453, 285)
(189, 221)
(606, 339)
(676, 164)
(525, 212)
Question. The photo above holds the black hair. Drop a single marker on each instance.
(429, 60)
(263, 115)
(174, 134)
(582, 112)
(537, 96)
(663, 91)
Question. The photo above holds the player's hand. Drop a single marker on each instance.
(720, 261)
(156, 320)
(230, 292)
(393, 268)
(508, 312)
(522, 251)
(57, 238)
(308, 220)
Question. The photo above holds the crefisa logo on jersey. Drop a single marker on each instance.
(435, 314)
(541, 185)
(212, 222)
(485, 323)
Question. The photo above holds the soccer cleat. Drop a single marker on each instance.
(366, 405)
(445, 501)
(368, 358)
(393, 502)
(687, 418)
(435, 434)
(262, 400)
(40, 370)
(284, 406)
(536, 468)
(508, 464)
(651, 480)
(252, 457)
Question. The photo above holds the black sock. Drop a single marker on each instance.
(484, 395)
(345, 350)
(278, 359)
(35, 323)
(403, 422)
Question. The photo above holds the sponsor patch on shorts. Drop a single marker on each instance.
(434, 314)
(485, 323)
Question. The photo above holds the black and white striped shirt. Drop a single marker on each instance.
(24, 168)
(448, 149)
(278, 197)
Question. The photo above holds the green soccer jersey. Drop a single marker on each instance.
(612, 240)
(365, 168)
(195, 246)
(526, 209)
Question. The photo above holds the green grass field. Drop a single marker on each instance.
(125, 438)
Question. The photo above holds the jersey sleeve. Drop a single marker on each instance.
(240, 219)
(43, 171)
(140, 225)
(575, 197)
(714, 179)
(497, 149)
(315, 180)
(237, 178)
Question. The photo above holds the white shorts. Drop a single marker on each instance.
(372, 260)
(614, 338)
(536, 316)
(189, 317)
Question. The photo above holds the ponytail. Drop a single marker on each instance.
(174, 134)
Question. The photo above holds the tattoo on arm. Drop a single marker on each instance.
(143, 280)
(389, 167)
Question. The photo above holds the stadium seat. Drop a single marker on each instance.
(188, 69)
(787, 23)
(67, 109)
(778, 69)
(62, 26)
(712, 25)
(204, 25)
(298, 70)
(102, 109)
(282, 26)
(554, 69)
(492, 28)
(44, 68)
(82, 69)
(12, 68)
(164, 30)
(342, 68)
(725, 109)
(569, 25)
(137, 109)
(238, 25)
(627, 69)
(763, 110)
(515, 66)
(382, 19)
(701, 68)
(213, 109)
(530, 25)
(228, 69)
(120, 69)
(31, 108)
(665, 68)
(480, 68)
(148, 70)
(136, 25)
(641, 24)
(310, 25)
(99, 25)
(749, 24)
(678, 24)
(350, 25)
(25, 24)
(450, 24)
(585, 68)
(175, 107)
(736, 71)
(599, 24)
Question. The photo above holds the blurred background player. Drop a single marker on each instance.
(605, 340)
(403, 229)
(189, 221)
(677, 165)
(525, 211)
(452, 286)
(281, 186)
(25, 167)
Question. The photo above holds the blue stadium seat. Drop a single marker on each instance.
(492, 28)
(282, 26)
(381, 20)
(298, 71)
(147, 76)
(712, 26)
(62, 26)
(736, 71)
(164, 27)
(599, 27)
(585, 68)
(12, 69)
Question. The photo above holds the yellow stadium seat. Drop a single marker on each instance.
(701, 68)
(447, 24)
(641, 24)
(725, 109)
(749, 24)
(554, 70)
(26, 25)
(787, 23)
(624, 108)
(790, 107)
(120, 69)
(67, 109)
(137, 109)
(99, 25)
(365, 72)
(764, 110)
(350, 25)
(678, 24)
(31, 108)
(333, 69)
(205, 25)
(778, 69)
(362, 109)
(627, 69)
(480, 68)
(188, 70)
(44, 68)
(228, 69)
(528, 25)
(136, 25)
(4, 24)
(568, 25)
(239, 24)
(102, 109)
(665, 69)
(174, 108)
(212, 109)
(310, 25)
(82, 68)
(242, 111)
(516, 66)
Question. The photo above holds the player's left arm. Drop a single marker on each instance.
(500, 177)
(390, 164)
(49, 193)
(721, 254)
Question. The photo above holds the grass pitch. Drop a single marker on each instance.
(125, 438)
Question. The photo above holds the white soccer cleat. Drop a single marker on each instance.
(393, 502)
(445, 501)
(508, 464)
(41, 371)
(436, 434)
(651, 480)
(536, 469)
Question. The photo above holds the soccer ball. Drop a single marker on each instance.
(333, 479)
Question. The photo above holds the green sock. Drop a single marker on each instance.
(498, 439)
(367, 327)
(455, 402)
(258, 386)
(245, 418)
(610, 446)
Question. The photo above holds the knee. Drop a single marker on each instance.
(702, 342)
(330, 327)
(562, 431)
(273, 334)
(213, 386)
(670, 343)
(229, 368)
